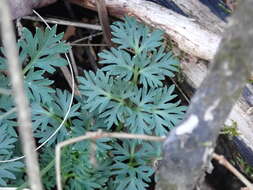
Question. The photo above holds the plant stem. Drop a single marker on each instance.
(29, 65)
(43, 172)
(119, 127)
(136, 75)
(132, 154)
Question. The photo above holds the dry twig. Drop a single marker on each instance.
(104, 20)
(64, 22)
(24, 117)
(232, 169)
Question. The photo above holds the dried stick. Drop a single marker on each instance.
(104, 20)
(64, 22)
(73, 61)
(94, 135)
(24, 115)
(232, 169)
(86, 38)
(68, 78)
(87, 45)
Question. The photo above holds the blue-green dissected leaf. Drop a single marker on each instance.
(84, 174)
(106, 95)
(156, 112)
(6, 141)
(3, 62)
(154, 68)
(141, 152)
(9, 118)
(131, 178)
(151, 68)
(131, 164)
(43, 49)
(134, 35)
(47, 118)
(37, 87)
(7, 169)
(6, 151)
(118, 63)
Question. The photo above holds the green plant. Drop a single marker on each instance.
(127, 94)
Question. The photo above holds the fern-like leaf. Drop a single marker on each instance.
(150, 70)
(43, 49)
(135, 36)
(155, 111)
(106, 95)
(131, 178)
(6, 151)
(38, 87)
(7, 169)
(46, 118)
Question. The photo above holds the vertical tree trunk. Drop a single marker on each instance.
(188, 149)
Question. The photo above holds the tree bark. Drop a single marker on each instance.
(188, 148)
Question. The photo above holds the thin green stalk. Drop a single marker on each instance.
(119, 127)
(136, 75)
(132, 154)
(29, 65)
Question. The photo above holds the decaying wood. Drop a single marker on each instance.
(196, 137)
(202, 15)
(186, 32)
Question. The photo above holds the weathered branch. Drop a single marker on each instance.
(24, 116)
(188, 149)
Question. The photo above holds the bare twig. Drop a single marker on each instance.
(73, 61)
(232, 169)
(104, 20)
(68, 78)
(180, 90)
(94, 135)
(24, 117)
(65, 22)
(87, 45)
(87, 37)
